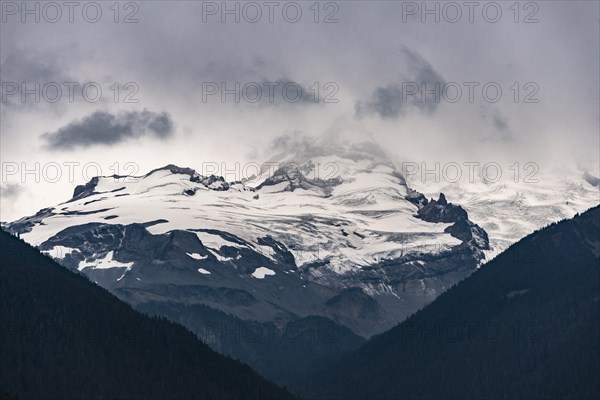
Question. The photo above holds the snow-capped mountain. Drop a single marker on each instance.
(336, 233)
(510, 209)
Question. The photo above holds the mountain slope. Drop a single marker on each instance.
(279, 351)
(64, 337)
(525, 325)
(293, 242)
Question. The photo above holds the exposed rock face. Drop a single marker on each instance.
(215, 183)
(26, 224)
(174, 169)
(85, 190)
(299, 177)
(441, 211)
(463, 229)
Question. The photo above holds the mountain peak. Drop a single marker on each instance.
(442, 200)
(174, 169)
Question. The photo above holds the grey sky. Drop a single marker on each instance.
(162, 63)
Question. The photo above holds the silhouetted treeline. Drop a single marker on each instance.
(64, 337)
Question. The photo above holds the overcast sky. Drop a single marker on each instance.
(356, 72)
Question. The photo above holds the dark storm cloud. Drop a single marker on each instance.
(421, 89)
(102, 128)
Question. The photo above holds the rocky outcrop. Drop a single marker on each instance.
(85, 190)
(297, 177)
(463, 229)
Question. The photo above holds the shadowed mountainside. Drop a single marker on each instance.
(64, 337)
(525, 325)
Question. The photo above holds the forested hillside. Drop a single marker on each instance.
(526, 325)
(65, 337)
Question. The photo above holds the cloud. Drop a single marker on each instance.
(288, 91)
(33, 66)
(500, 124)
(11, 191)
(263, 92)
(501, 127)
(28, 68)
(421, 89)
(296, 142)
(342, 142)
(102, 128)
(368, 64)
(256, 82)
